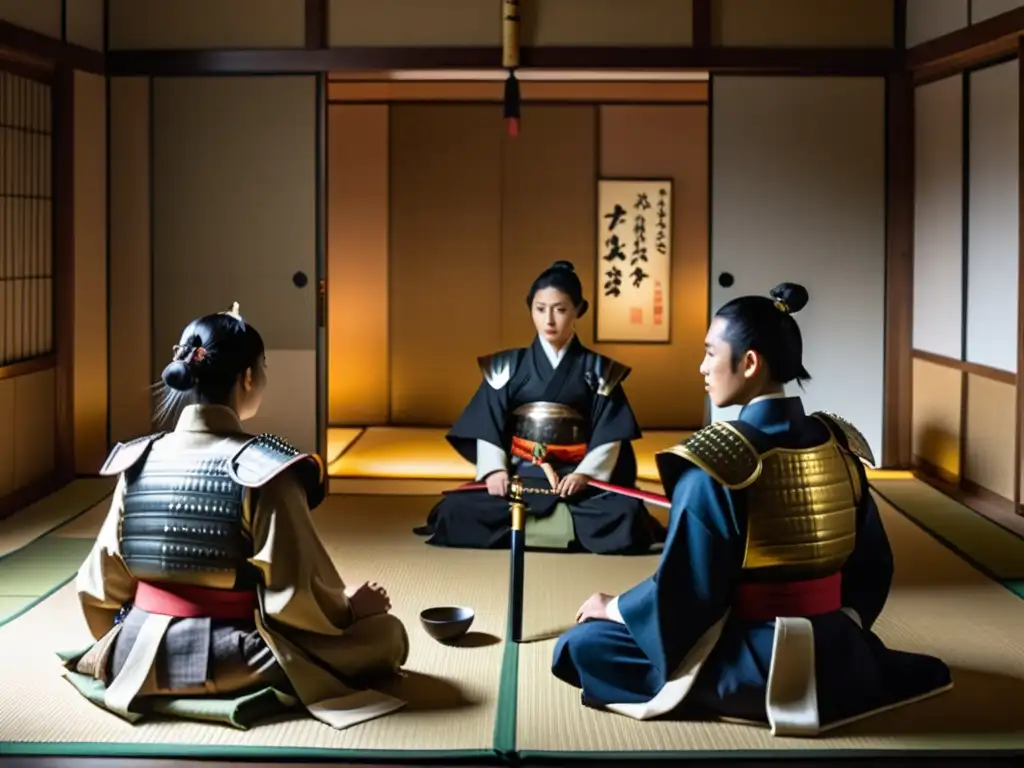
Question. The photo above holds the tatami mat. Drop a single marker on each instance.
(424, 453)
(994, 548)
(650, 444)
(85, 526)
(939, 605)
(453, 691)
(52, 511)
(37, 568)
(339, 440)
(423, 461)
(408, 452)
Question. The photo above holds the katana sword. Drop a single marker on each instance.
(635, 493)
(517, 553)
(517, 545)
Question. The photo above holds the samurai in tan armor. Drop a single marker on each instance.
(776, 565)
(208, 591)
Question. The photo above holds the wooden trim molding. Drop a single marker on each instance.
(64, 266)
(984, 371)
(1009, 24)
(970, 494)
(854, 62)
(899, 297)
(54, 52)
(25, 367)
(995, 52)
(26, 65)
(387, 92)
(977, 44)
(934, 472)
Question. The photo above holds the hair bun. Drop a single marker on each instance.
(792, 296)
(564, 265)
(178, 376)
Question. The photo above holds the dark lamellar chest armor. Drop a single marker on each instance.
(187, 514)
(801, 503)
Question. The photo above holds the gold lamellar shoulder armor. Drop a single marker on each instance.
(854, 438)
(499, 368)
(723, 452)
(604, 374)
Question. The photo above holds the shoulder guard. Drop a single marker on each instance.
(850, 437)
(264, 457)
(603, 374)
(127, 455)
(499, 368)
(719, 449)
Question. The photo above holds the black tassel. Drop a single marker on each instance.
(512, 113)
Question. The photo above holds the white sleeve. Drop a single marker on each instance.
(489, 458)
(613, 611)
(599, 462)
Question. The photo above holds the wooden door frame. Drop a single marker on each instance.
(60, 79)
(322, 330)
(997, 39)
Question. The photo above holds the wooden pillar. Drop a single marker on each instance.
(896, 441)
(1019, 416)
(702, 24)
(316, 24)
(64, 267)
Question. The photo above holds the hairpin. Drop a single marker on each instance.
(189, 355)
(234, 312)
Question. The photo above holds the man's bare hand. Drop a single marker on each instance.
(596, 607)
(497, 483)
(572, 484)
(370, 599)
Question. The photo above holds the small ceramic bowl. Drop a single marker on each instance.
(447, 623)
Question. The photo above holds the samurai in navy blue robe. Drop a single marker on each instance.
(575, 397)
(775, 569)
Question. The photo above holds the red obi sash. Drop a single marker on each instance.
(537, 453)
(186, 602)
(768, 601)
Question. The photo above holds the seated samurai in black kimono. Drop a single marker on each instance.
(558, 404)
(776, 565)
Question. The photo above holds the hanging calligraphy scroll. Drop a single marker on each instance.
(634, 261)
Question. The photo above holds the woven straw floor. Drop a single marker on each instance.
(486, 697)
(939, 605)
(453, 691)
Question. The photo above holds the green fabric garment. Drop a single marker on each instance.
(554, 531)
(241, 711)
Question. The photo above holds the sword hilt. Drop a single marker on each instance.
(541, 491)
